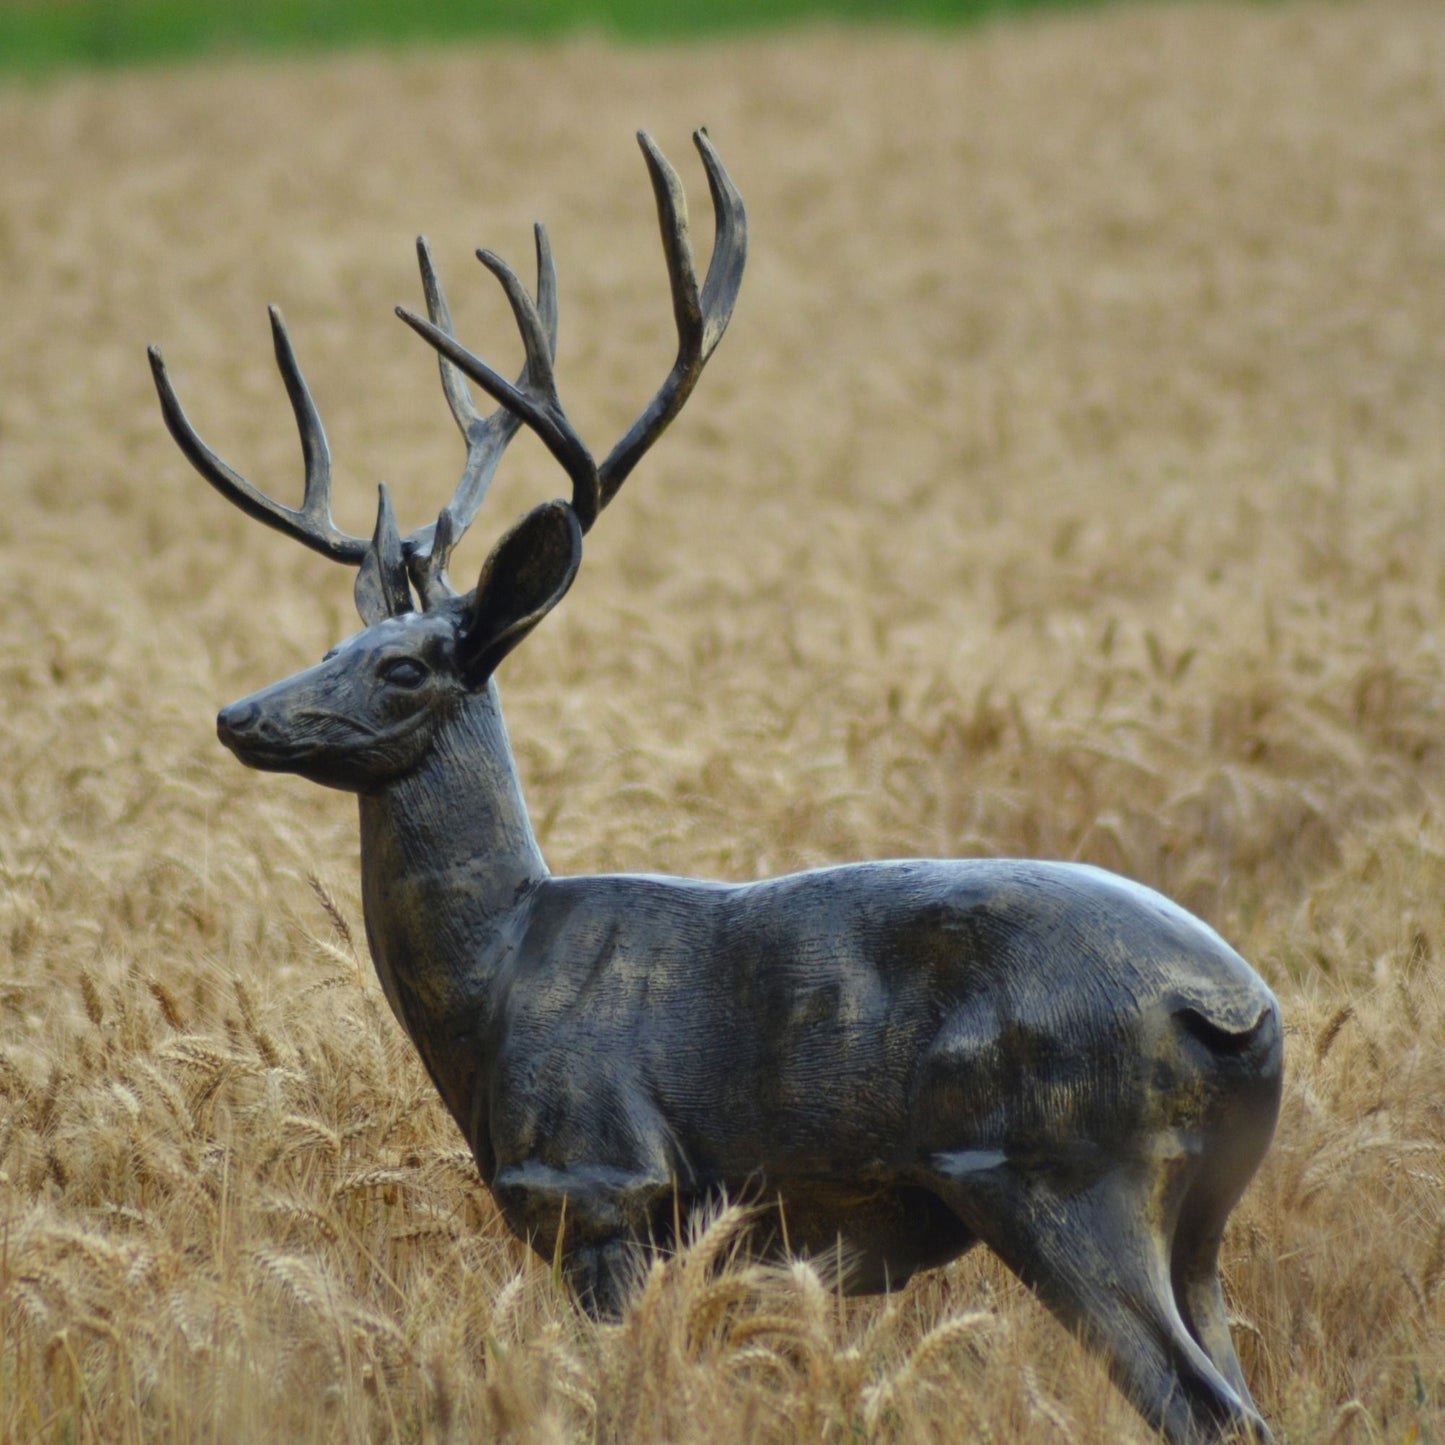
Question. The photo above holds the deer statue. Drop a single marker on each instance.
(891, 1060)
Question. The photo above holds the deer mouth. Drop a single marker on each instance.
(258, 752)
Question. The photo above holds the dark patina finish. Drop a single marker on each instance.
(894, 1060)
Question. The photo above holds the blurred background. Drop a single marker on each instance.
(38, 36)
(1068, 485)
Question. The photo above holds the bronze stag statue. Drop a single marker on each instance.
(900, 1058)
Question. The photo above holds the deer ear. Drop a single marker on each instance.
(526, 576)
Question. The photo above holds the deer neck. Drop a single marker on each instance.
(448, 862)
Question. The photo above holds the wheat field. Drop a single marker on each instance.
(1068, 485)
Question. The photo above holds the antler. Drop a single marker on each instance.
(428, 548)
(388, 558)
(312, 522)
(701, 315)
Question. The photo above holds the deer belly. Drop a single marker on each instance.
(868, 1239)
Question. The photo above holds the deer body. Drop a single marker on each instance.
(893, 1060)
(845, 1039)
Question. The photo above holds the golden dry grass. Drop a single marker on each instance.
(1069, 485)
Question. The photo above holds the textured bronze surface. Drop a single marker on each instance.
(894, 1060)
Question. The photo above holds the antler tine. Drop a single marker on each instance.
(701, 317)
(311, 523)
(487, 437)
(730, 245)
(454, 386)
(534, 398)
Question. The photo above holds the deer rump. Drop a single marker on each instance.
(878, 1055)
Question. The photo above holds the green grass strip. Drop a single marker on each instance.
(40, 36)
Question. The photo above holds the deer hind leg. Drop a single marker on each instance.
(1099, 1255)
(1201, 1304)
(1235, 1141)
(1194, 1268)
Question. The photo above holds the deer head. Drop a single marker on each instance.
(370, 712)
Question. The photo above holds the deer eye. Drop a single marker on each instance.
(403, 672)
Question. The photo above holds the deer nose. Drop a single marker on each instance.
(234, 722)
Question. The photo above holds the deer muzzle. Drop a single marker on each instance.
(237, 723)
(256, 735)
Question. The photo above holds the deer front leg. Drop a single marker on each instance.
(603, 1276)
(598, 1217)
